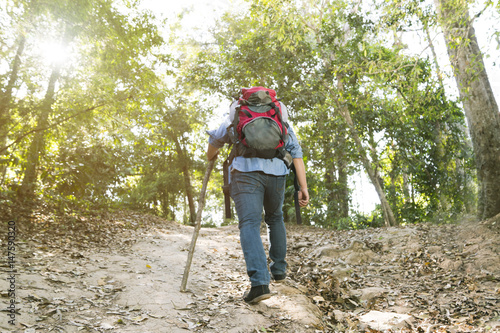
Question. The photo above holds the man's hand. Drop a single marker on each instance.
(303, 197)
(212, 152)
(300, 172)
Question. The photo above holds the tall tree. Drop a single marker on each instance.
(438, 155)
(6, 94)
(336, 30)
(478, 100)
(38, 142)
(85, 105)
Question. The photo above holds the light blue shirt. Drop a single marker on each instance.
(275, 166)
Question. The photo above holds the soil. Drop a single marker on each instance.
(122, 272)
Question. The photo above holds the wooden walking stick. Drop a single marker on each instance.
(201, 204)
(296, 196)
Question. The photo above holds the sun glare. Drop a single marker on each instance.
(54, 53)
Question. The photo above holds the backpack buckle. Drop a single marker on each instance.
(288, 159)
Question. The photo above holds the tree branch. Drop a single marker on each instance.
(50, 126)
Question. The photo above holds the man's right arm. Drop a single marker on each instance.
(217, 138)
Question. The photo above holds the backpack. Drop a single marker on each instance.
(258, 128)
(258, 125)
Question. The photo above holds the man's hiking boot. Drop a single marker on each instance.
(279, 278)
(257, 294)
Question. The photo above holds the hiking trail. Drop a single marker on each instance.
(122, 273)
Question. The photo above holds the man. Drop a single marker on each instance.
(258, 184)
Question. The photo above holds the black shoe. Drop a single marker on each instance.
(257, 294)
(279, 277)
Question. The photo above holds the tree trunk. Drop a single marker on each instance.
(5, 100)
(38, 143)
(434, 56)
(481, 109)
(330, 181)
(464, 188)
(187, 180)
(342, 179)
(389, 218)
(6, 96)
(336, 176)
(406, 185)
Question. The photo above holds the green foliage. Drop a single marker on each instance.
(87, 172)
(356, 221)
(414, 132)
(125, 123)
(102, 137)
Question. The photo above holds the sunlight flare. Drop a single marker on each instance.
(54, 53)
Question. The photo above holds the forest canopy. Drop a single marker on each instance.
(104, 104)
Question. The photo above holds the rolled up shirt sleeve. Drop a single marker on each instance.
(219, 137)
(292, 145)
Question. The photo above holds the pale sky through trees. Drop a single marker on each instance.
(202, 14)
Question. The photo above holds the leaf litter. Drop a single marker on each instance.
(121, 272)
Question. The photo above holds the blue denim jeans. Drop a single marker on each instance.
(253, 192)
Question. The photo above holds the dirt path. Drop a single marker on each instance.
(134, 286)
(415, 279)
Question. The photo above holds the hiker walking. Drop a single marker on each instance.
(264, 149)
